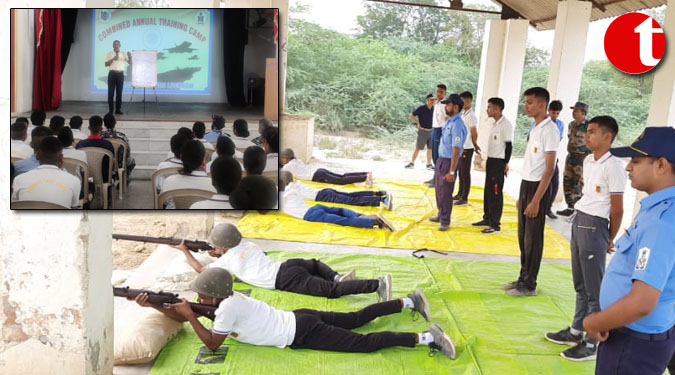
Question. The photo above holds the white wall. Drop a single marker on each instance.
(77, 74)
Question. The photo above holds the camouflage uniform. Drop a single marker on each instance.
(576, 152)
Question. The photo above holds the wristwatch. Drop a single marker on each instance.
(452, 173)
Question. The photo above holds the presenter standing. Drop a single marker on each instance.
(114, 60)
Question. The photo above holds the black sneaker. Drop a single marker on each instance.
(490, 230)
(456, 197)
(421, 305)
(482, 223)
(410, 165)
(580, 352)
(118, 112)
(430, 167)
(550, 214)
(461, 203)
(565, 212)
(435, 219)
(564, 337)
(442, 342)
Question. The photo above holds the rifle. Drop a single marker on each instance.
(160, 298)
(193, 245)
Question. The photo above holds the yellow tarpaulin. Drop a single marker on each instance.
(414, 204)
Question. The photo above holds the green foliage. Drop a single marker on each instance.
(327, 144)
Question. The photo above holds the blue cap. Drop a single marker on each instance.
(655, 141)
(454, 99)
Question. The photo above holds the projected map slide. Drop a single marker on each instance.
(181, 37)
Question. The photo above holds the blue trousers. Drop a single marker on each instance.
(358, 198)
(324, 175)
(435, 142)
(625, 353)
(443, 190)
(337, 215)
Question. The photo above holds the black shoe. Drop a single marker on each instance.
(456, 197)
(430, 167)
(435, 219)
(461, 203)
(565, 212)
(482, 223)
(410, 165)
(580, 352)
(119, 112)
(564, 337)
(550, 214)
(490, 230)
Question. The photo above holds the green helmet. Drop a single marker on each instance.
(225, 235)
(213, 282)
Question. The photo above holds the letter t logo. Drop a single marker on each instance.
(646, 31)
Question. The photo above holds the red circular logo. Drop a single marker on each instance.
(634, 43)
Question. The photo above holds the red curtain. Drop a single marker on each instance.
(47, 75)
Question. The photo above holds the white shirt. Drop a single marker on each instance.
(303, 191)
(209, 164)
(544, 138)
(299, 169)
(77, 134)
(602, 178)
(254, 322)
(440, 117)
(292, 204)
(20, 149)
(500, 133)
(28, 134)
(241, 142)
(249, 263)
(470, 121)
(71, 152)
(195, 180)
(272, 162)
(47, 183)
(173, 162)
(119, 63)
(216, 202)
(207, 145)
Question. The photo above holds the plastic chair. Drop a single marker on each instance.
(74, 166)
(155, 176)
(36, 205)
(121, 171)
(95, 157)
(184, 198)
(208, 154)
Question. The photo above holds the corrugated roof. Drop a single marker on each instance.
(541, 13)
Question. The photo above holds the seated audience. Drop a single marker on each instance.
(225, 176)
(18, 146)
(255, 160)
(66, 138)
(48, 182)
(95, 140)
(109, 121)
(255, 193)
(31, 162)
(216, 129)
(182, 131)
(76, 125)
(193, 174)
(225, 147)
(292, 203)
(37, 118)
(305, 172)
(271, 147)
(241, 134)
(263, 124)
(56, 123)
(177, 143)
(199, 130)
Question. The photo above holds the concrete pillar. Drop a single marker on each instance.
(23, 54)
(298, 134)
(501, 71)
(567, 64)
(662, 102)
(56, 300)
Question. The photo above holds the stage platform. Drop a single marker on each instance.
(136, 111)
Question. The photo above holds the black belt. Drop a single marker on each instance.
(647, 336)
(117, 71)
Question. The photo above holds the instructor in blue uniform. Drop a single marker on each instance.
(635, 324)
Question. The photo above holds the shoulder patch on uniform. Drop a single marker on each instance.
(457, 139)
(643, 259)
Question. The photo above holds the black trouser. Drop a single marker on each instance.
(530, 235)
(325, 330)
(553, 186)
(465, 174)
(115, 82)
(671, 365)
(324, 175)
(493, 194)
(314, 278)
